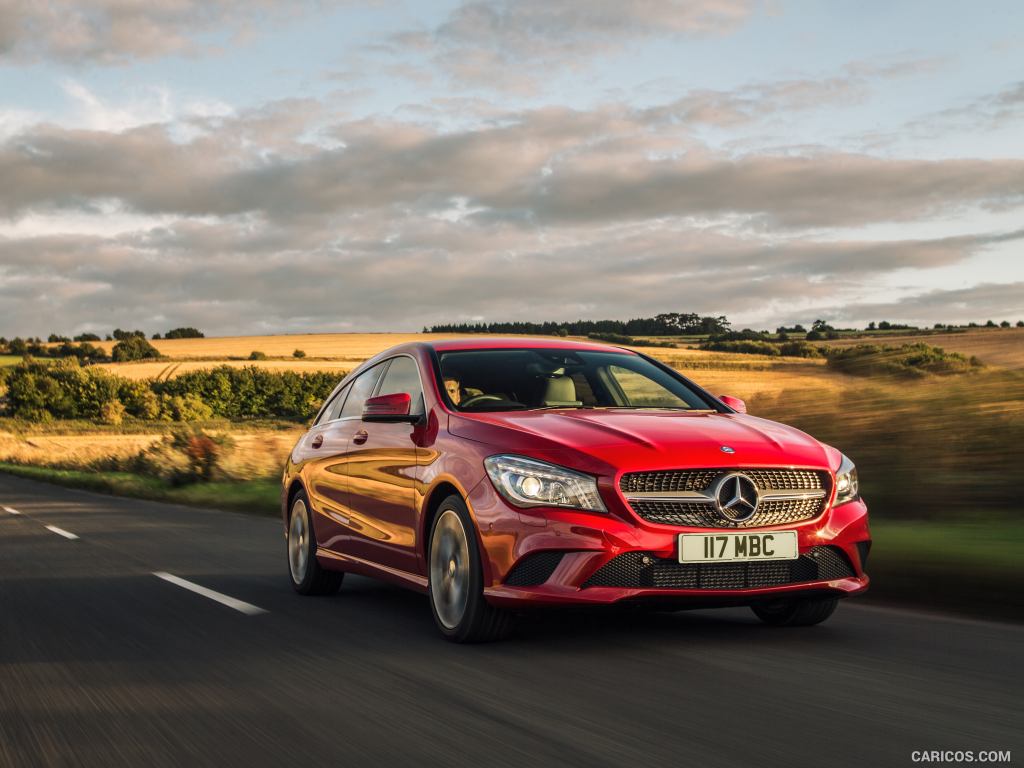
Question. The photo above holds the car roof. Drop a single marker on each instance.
(527, 342)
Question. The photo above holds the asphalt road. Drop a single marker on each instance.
(103, 663)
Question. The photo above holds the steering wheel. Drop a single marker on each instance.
(480, 399)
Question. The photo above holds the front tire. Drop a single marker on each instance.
(455, 580)
(308, 577)
(795, 612)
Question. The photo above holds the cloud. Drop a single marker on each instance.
(116, 32)
(514, 44)
(242, 275)
(542, 167)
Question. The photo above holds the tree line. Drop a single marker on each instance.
(665, 324)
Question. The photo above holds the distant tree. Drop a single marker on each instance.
(17, 346)
(1004, 324)
(156, 337)
(54, 338)
(298, 353)
(1020, 323)
(257, 355)
(108, 337)
(87, 337)
(871, 325)
(782, 335)
(125, 335)
(133, 348)
(990, 324)
(183, 333)
(938, 326)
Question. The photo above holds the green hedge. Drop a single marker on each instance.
(40, 392)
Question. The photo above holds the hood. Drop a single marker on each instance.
(604, 441)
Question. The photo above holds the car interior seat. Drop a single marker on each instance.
(560, 390)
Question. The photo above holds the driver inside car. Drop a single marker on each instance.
(453, 389)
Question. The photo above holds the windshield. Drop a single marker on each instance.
(520, 379)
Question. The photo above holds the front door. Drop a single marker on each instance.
(382, 465)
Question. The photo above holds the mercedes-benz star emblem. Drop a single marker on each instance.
(736, 497)
(728, 449)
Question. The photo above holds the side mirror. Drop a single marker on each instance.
(734, 402)
(387, 408)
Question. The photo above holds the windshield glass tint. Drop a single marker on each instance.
(518, 379)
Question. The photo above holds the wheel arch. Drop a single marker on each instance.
(441, 490)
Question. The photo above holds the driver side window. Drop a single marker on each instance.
(403, 376)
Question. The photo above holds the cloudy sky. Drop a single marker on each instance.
(254, 166)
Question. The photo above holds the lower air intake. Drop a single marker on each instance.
(533, 569)
(630, 570)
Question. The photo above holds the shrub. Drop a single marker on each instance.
(112, 412)
(257, 355)
(798, 349)
(203, 452)
(298, 353)
(613, 338)
(133, 348)
(743, 347)
(188, 407)
(908, 360)
(139, 400)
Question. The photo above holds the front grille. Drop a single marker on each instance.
(699, 514)
(534, 569)
(642, 569)
(668, 480)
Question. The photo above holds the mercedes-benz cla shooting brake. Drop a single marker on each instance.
(498, 475)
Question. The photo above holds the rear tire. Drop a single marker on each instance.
(455, 579)
(308, 577)
(795, 612)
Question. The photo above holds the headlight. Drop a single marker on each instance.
(847, 486)
(531, 483)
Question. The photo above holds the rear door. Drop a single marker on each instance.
(382, 464)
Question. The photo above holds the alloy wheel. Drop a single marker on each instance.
(449, 569)
(298, 542)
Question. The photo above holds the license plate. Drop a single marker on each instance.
(737, 547)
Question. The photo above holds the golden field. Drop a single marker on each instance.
(834, 406)
(1003, 347)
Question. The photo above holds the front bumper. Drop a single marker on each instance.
(565, 557)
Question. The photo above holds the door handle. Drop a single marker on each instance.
(317, 441)
(360, 437)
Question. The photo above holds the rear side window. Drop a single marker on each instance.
(330, 412)
(360, 390)
(403, 376)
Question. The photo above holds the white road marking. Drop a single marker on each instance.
(11, 510)
(239, 605)
(61, 532)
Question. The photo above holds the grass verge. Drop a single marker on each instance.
(260, 496)
(969, 567)
(966, 567)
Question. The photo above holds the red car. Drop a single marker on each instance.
(496, 475)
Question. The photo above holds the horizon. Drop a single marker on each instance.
(295, 168)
